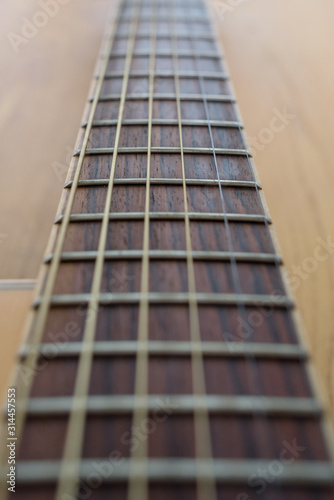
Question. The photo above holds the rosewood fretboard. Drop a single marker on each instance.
(163, 361)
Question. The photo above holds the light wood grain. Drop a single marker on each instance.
(279, 53)
(14, 307)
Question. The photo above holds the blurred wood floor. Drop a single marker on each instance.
(280, 56)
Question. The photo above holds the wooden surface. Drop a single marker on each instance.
(14, 307)
(278, 53)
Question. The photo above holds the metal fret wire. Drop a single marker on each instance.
(251, 300)
(184, 53)
(31, 360)
(114, 348)
(214, 75)
(75, 431)
(165, 216)
(162, 121)
(138, 486)
(186, 20)
(168, 150)
(163, 181)
(307, 473)
(165, 255)
(183, 404)
(206, 490)
(201, 36)
(253, 371)
(168, 97)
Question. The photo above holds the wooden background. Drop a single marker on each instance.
(280, 56)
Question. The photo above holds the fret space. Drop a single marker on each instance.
(168, 276)
(169, 373)
(206, 236)
(168, 199)
(167, 166)
(162, 136)
(229, 433)
(171, 323)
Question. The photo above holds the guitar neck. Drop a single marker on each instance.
(163, 359)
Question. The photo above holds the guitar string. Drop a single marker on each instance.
(245, 146)
(31, 361)
(254, 382)
(138, 486)
(286, 289)
(264, 210)
(70, 467)
(280, 292)
(206, 489)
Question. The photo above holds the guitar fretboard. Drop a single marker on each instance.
(163, 359)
